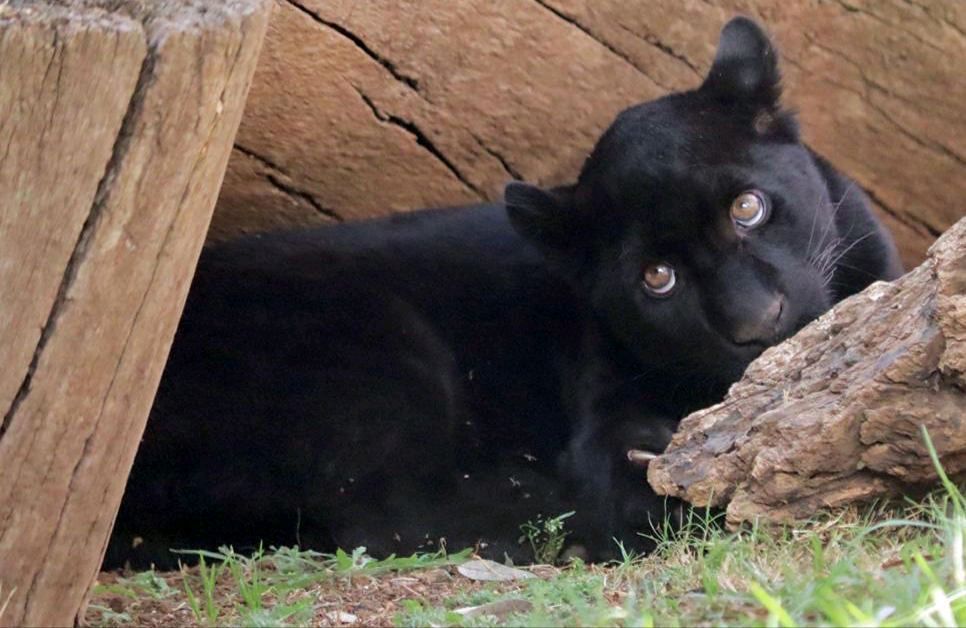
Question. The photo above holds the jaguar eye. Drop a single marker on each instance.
(749, 209)
(659, 279)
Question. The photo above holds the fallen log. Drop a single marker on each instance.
(415, 105)
(116, 122)
(834, 415)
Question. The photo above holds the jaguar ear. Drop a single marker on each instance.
(544, 217)
(745, 68)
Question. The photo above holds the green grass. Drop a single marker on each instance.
(885, 566)
(265, 589)
(874, 570)
(278, 574)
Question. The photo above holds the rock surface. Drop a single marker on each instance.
(364, 108)
(834, 414)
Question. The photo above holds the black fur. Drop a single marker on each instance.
(453, 373)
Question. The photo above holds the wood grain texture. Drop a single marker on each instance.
(123, 116)
(422, 103)
(834, 415)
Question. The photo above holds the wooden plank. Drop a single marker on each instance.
(49, 60)
(70, 435)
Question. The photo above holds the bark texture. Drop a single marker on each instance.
(364, 108)
(834, 414)
(117, 119)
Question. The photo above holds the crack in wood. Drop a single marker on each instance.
(655, 42)
(410, 81)
(286, 188)
(421, 139)
(507, 166)
(56, 58)
(265, 161)
(586, 31)
(79, 253)
(305, 196)
(906, 219)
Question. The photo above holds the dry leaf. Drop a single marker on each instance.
(482, 569)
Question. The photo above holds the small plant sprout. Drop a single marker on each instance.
(546, 537)
(203, 605)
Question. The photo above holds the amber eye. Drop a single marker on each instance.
(749, 209)
(659, 279)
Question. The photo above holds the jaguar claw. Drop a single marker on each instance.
(640, 457)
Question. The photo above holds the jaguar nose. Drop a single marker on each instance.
(764, 329)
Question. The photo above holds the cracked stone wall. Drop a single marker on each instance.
(364, 108)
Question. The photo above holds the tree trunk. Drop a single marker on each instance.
(834, 414)
(116, 122)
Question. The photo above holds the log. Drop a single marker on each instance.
(117, 119)
(833, 415)
(437, 102)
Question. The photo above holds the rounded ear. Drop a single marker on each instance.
(545, 218)
(745, 68)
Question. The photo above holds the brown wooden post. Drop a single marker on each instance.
(116, 122)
